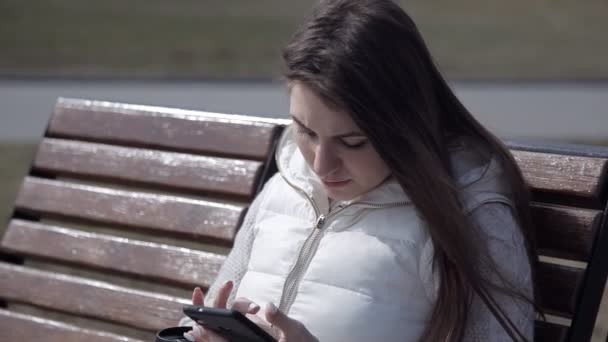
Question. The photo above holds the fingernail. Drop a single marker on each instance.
(271, 308)
(197, 332)
(229, 282)
(253, 307)
(189, 337)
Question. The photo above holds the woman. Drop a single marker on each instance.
(395, 216)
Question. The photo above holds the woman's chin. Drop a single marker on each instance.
(345, 193)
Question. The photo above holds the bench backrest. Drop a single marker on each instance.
(127, 208)
(569, 186)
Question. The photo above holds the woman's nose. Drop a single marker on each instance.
(326, 161)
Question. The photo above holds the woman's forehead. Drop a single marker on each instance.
(310, 111)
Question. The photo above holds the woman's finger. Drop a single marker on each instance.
(223, 294)
(245, 306)
(264, 325)
(194, 335)
(198, 297)
(290, 329)
(200, 334)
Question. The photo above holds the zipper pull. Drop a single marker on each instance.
(320, 221)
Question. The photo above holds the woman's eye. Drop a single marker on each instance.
(354, 144)
(306, 132)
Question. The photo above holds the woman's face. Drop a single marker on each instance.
(334, 147)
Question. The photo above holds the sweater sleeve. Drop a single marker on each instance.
(235, 265)
(506, 246)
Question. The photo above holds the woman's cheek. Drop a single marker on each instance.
(306, 148)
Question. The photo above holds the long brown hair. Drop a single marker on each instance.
(368, 58)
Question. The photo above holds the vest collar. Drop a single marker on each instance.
(294, 169)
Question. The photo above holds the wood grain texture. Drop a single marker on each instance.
(19, 327)
(175, 129)
(549, 332)
(171, 264)
(570, 175)
(559, 287)
(90, 298)
(565, 232)
(168, 169)
(169, 214)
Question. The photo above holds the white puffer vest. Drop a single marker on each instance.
(356, 271)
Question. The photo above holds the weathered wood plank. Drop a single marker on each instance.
(574, 176)
(90, 298)
(167, 169)
(565, 232)
(170, 214)
(573, 149)
(175, 129)
(171, 264)
(559, 286)
(19, 327)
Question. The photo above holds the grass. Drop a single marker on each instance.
(232, 38)
(15, 159)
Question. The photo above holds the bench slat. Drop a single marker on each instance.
(165, 213)
(96, 299)
(560, 286)
(575, 176)
(549, 332)
(169, 169)
(169, 128)
(565, 232)
(20, 327)
(170, 263)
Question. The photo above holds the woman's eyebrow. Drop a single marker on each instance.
(345, 135)
(293, 117)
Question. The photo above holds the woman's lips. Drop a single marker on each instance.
(336, 184)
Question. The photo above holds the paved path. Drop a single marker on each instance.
(556, 111)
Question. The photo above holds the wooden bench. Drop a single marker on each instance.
(569, 190)
(126, 208)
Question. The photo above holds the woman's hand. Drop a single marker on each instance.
(200, 334)
(277, 324)
(289, 329)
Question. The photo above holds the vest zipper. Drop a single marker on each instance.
(305, 254)
(309, 247)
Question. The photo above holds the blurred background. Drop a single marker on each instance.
(535, 70)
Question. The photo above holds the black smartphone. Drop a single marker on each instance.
(230, 324)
